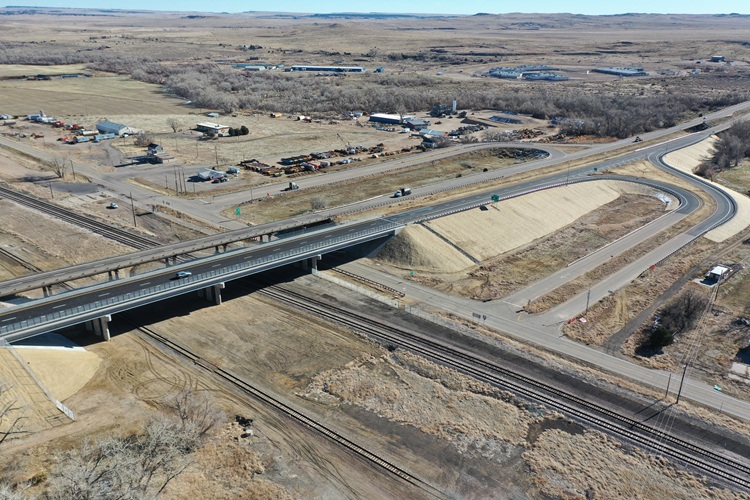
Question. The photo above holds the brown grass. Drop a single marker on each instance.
(573, 466)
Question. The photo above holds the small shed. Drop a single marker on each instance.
(717, 273)
(717, 59)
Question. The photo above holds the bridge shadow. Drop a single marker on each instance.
(183, 305)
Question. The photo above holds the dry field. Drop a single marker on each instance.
(87, 100)
(452, 431)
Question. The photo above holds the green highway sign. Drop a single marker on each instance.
(237, 211)
(495, 197)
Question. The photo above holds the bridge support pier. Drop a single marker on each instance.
(314, 263)
(100, 326)
(212, 293)
(115, 273)
(47, 291)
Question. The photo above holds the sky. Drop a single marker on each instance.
(592, 7)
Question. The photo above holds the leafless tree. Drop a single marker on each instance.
(137, 466)
(318, 203)
(11, 418)
(143, 139)
(58, 166)
(196, 410)
(174, 124)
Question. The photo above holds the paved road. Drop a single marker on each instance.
(210, 213)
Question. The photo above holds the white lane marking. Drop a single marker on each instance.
(103, 294)
(146, 283)
(8, 319)
(216, 265)
(58, 307)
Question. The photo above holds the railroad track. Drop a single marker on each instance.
(713, 464)
(11, 257)
(102, 228)
(287, 410)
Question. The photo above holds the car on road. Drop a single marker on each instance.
(183, 274)
(112, 205)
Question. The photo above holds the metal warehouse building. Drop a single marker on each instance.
(107, 127)
(390, 119)
(335, 69)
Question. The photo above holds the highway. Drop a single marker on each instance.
(133, 292)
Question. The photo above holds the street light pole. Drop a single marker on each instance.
(132, 207)
(679, 392)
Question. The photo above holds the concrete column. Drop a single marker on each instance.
(216, 289)
(212, 293)
(314, 263)
(47, 291)
(101, 326)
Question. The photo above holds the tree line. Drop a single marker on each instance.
(732, 147)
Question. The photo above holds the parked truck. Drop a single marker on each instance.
(293, 186)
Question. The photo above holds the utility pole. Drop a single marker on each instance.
(679, 392)
(73, 168)
(132, 207)
(52, 193)
(669, 381)
(588, 298)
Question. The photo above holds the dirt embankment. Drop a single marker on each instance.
(485, 254)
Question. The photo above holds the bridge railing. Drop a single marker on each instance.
(205, 278)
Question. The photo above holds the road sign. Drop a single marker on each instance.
(495, 197)
(237, 211)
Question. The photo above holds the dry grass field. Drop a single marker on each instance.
(87, 99)
(452, 431)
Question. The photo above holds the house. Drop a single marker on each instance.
(213, 128)
(107, 127)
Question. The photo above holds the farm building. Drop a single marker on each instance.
(717, 59)
(390, 119)
(213, 128)
(333, 69)
(107, 127)
(416, 124)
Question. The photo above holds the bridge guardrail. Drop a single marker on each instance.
(209, 277)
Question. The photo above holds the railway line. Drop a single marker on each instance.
(272, 402)
(84, 221)
(713, 464)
